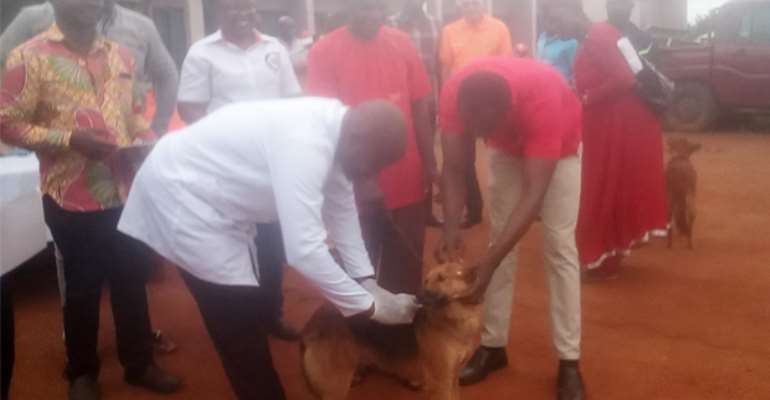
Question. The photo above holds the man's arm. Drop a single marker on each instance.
(289, 83)
(340, 215)
(425, 135)
(297, 175)
(162, 71)
(20, 100)
(21, 94)
(454, 189)
(537, 175)
(194, 86)
(30, 22)
(320, 79)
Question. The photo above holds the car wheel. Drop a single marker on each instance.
(693, 108)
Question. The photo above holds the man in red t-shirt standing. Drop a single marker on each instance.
(366, 60)
(531, 121)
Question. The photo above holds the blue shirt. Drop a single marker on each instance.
(560, 53)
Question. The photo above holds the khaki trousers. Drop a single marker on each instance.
(559, 218)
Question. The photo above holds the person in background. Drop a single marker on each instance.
(155, 70)
(77, 125)
(554, 50)
(530, 119)
(298, 47)
(256, 161)
(235, 64)
(7, 336)
(619, 15)
(623, 202)
(127, 28)
(474, 36)
(363, 61)
(424, 31)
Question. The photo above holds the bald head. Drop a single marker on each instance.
(374, 135)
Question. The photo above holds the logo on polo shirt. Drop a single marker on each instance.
(273, 60)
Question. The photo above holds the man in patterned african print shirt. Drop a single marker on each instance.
(67, 95)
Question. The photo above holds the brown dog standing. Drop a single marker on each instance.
(681, 182)
(427, 354)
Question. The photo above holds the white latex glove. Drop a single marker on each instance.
(389, 308)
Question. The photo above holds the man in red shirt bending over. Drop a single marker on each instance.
(366, 60)
(531, 121)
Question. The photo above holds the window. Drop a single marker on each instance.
(760, 25)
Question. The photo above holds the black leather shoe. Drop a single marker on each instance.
(570, 383)
(156, 380)
(284, 331)
(484, 361)
(84, 388)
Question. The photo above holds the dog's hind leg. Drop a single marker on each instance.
(690, 220)
(329, 373)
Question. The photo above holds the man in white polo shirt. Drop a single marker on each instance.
(235, 64)
(197, 199)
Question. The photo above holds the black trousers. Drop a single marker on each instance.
(474, 204)
(395, 240)
(239, 336)
(8, 335)
(271, 259)
(94, 252)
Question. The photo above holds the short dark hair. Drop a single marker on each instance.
(483, 88)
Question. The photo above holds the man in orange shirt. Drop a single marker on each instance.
(474, 36)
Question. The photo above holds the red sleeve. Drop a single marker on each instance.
(419, 83)
(320, 78)
(449, 114)
(547, 116)
(602, 46)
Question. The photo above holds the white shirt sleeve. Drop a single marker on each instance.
(341, 217)
(195, 80)
(289, 82)
(298, 178)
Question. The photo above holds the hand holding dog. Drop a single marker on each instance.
(483, 272)
(389, 308)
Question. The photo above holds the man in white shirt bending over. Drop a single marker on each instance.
(200, 194)
(238, 63)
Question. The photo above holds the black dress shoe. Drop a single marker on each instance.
(84, 388)
(281, 330)
(570, 383)
(484, 361)
(156, 380)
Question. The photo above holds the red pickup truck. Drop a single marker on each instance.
(727, 71)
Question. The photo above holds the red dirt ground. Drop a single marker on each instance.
(677, 324)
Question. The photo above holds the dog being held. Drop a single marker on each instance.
(427, 354)
(681, 182)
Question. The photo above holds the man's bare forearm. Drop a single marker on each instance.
(424, 133)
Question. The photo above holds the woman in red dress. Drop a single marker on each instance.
(623, 200)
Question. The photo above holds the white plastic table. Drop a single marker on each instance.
(23, 232)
